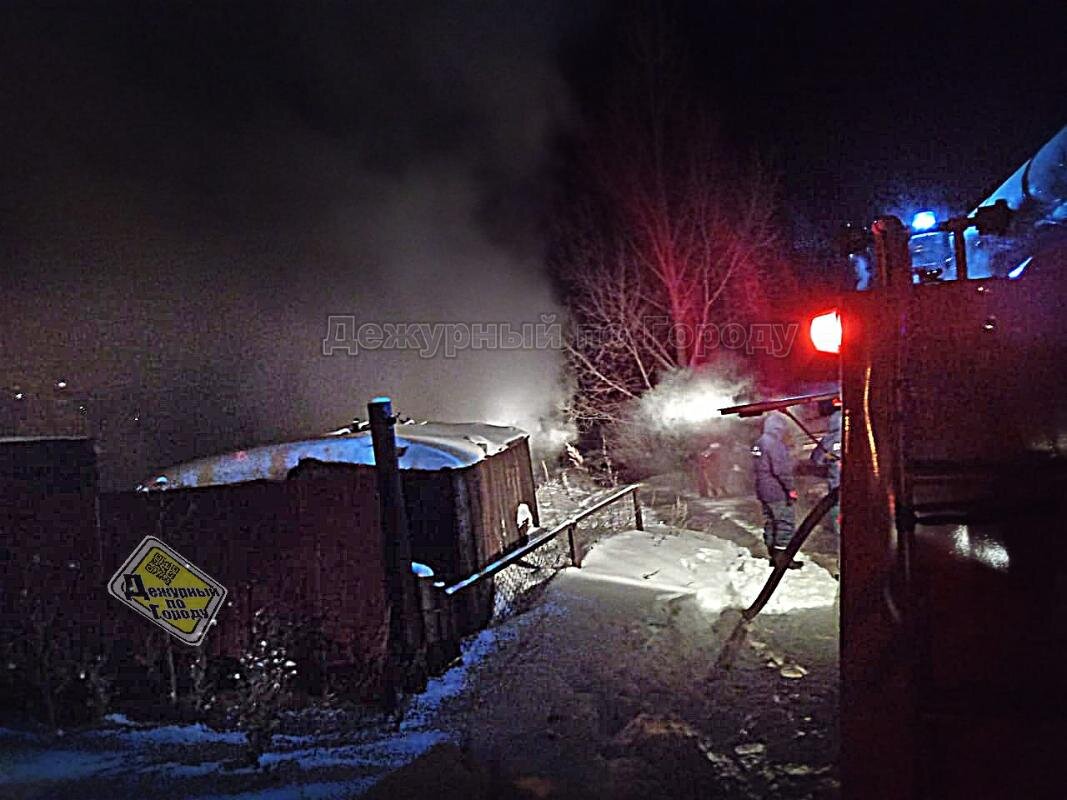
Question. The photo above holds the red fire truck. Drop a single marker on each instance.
(954, 499)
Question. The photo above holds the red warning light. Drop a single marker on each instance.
(826, 332)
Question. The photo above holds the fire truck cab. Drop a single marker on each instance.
(954, 501)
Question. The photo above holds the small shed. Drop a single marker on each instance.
(468, 487)
(291, 526)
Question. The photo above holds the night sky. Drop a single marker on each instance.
(866, 108)
(187, 190)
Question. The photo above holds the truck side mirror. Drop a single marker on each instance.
(993, 219)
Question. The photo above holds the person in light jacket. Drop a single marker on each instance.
(774, 487)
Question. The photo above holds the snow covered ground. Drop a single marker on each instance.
(124, 756)
(606, 682)
(719, 573)
(617, 688)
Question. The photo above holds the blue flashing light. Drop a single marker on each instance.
(1015, 273)
(923, 221)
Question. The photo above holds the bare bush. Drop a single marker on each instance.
(263, 680)
(201, 695)
(43, 651)
(668, 235)
(99, 683)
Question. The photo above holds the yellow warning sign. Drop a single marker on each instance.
(165, 588)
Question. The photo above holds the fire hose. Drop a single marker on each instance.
(813, 518)
(737, 636)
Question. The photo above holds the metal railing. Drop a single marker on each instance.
(569, 525)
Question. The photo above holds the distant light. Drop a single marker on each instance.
(825, 332)
(61, 384)
(19, 395)
(1015, 273)
(924, 221)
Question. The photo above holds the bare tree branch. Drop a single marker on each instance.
(672, 234)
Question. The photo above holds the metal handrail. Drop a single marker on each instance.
(569, 525)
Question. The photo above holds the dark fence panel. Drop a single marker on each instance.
(430, 501)
(47, 506)
(308, 549)
(488, 495)
(48, 548)
(50, 604)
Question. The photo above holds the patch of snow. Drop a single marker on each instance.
(305, 791)
(452, 682)
(175, 770)
(388, 753)
(421, 570)
(523, 516)
(174, 734)
(793, 671)
(751, 749)
(284, 738)
(432, 446)
(318, 757)
(717, 572)
(59, 765)
(481, 442)
(120, 719)
(743, 523)
(396, 751)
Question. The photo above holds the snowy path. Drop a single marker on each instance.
(739, 519)
(717, 572)
(609, 688)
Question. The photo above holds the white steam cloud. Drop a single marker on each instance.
(686, 400)
(209, 202)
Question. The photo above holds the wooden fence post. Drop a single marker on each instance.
(576, 556)
(406, 633)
